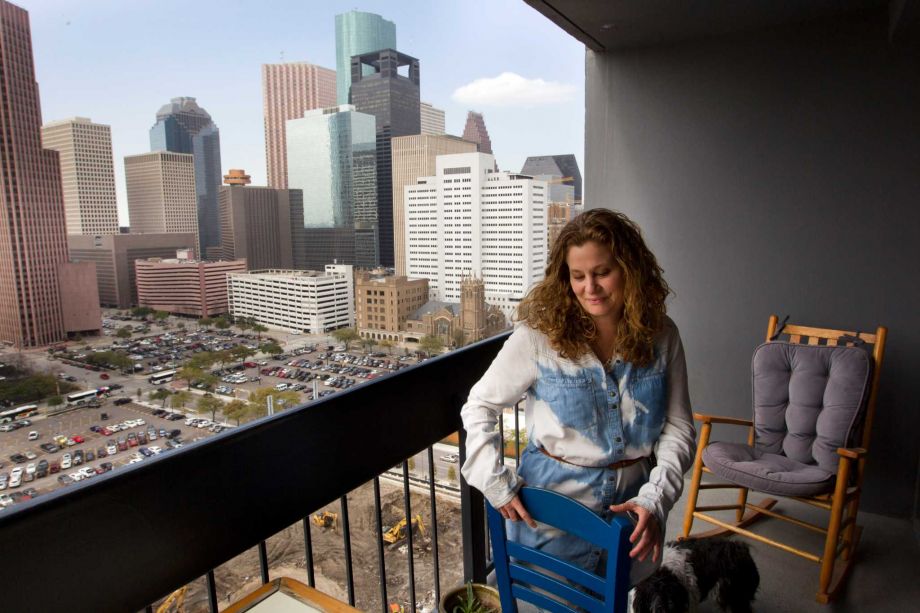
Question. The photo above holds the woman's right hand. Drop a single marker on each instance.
(515, 511)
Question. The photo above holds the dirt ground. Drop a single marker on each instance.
(286, 558)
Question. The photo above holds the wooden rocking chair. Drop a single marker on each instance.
(797, 447)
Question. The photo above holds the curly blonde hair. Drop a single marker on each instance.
(552, 308)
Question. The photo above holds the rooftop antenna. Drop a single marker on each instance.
(282, 56)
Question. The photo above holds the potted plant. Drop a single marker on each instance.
(471, 598)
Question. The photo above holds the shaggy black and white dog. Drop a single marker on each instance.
(691, 569)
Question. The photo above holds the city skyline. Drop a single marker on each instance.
(507, 75)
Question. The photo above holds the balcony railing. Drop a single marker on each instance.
(127, 539)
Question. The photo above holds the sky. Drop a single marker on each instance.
(118, 61)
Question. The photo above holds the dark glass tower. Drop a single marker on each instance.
(393, 99)
(184, 127)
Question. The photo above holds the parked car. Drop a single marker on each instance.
(120, 401)
(122, 444)
(174, 433)
(104, 376)
(90, 455)
(54, 467)
(132, 439)
(111, 448)
(101, 452)
(30, 455)
(77, 457)
(33, 435)
(65, 479)
(49, 447)
(451, 457)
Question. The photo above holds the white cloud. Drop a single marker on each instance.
(510, 89)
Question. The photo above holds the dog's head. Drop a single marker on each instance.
(661, 593)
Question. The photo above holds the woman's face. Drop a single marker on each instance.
(596, 280)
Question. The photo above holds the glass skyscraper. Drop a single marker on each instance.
(328, 153)
(357, 33)
(184, 127)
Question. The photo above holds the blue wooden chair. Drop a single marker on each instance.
(519, 569)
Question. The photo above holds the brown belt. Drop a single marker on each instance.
(614, 466)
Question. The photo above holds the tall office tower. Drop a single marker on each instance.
(564, 168)
(255, 225)
(289, 90)
(393, 100)
(468, 220)
(475, 131)
(414, 157)
(161, 193)
(332, 158)
(357, 33)
(33, 235)
(432, 118)
(87, 174)
(184, 127)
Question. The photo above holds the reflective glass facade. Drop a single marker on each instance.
(356, 33)
(327, 157)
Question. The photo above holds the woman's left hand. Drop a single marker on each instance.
(646, 536)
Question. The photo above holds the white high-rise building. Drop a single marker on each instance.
(432, 118)
(300, 301)
(87, 174)
(470, 220)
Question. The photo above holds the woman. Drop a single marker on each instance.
(607, 408)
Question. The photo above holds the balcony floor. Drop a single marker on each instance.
(886, 576)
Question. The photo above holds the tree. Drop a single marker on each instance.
(205, 322)
(243, 323)
(209, 404)
(141, 311)
(202, 361)
(181, 325)
(55, 401)
(270, 348)
(180, 399)
(124, 332)
(161, 316)
(282, 400)
(386, 344)
(241, 352)
(458, 338)
(222, 323)
(140, 392)
(160, 394)
(190, 373)
(236, 409)
(451, 473)
(431, 344)
(368, 343)
(259, 329)
(345, 335)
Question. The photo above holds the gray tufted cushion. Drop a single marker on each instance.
(808, 401)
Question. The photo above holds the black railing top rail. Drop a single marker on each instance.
(126, 539)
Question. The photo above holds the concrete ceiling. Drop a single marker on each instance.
(605, 25)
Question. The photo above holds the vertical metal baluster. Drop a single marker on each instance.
(408, 508)
(501, 437)
(381, 563)
(212, 592)
(308, 551)
(433, 528)
(517, 432)
(346, 537)
(263, 562)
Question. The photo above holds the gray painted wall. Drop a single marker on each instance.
(776, 172)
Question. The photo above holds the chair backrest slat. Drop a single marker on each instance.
(519, 568)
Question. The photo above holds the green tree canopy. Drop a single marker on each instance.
(430, 344)
(259, 329)
(205, 322)
(141, 311)
(190, 373)
(270, 348)
(160, 394)
(209, 404)
(180, 399)
(161, 315)
(241, 352)
(236, 409)
(222, 323)
(55, 401)
(282, 400)
(345, 335)
(386, 344)
(124, 332)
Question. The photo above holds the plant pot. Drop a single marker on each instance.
(487, 595)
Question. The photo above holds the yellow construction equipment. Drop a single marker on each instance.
(177, 598)
(326, 519)
(398, 532)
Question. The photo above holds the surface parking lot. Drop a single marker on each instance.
(78, 423)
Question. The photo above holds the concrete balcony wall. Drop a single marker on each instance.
(775, 172)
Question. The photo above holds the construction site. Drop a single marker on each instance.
(286, 557)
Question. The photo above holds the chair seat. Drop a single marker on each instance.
(766, 472)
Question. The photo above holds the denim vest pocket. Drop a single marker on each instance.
(649, 391)
(571, 398)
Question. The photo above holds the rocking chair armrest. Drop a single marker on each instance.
(716, 419)
(853, 453)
